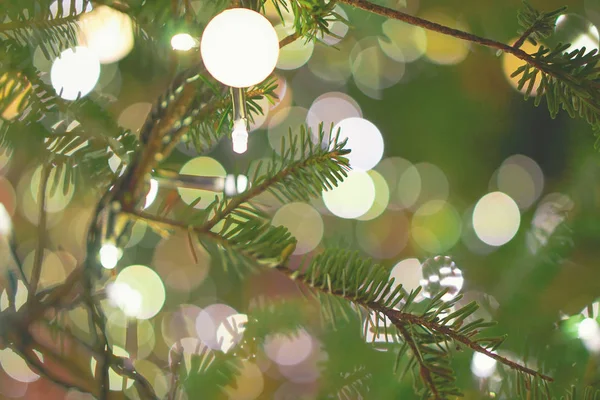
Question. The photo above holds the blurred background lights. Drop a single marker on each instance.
(496, 218)
(351, 198)
(576, 30)
(295, 54)
(152, 192)
(403, 42)
(248, 384)
(382, 197)
(284, 122)
(436, 226)
(482, 365)
(589, 333)
(5, 221)
(148, 284)
(107, 33)
(442, 49)
(511, 63)
(288, 349)
(239, 47)
(338, 28)
(116, 382)
(364, 141)
(109, 256)
(303, 222)
(15, 367)
(407, 273)
(331, 108)
(201, 166)
(231, 331)
(9, 84)
(124, 297)
(183, 42)
(441, 273)
(66, 7)
(208, 322)
(521, 178)
(75, 73)
(550, 213)
(372, 69)
(383, 237)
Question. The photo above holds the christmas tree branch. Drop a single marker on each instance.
(43, 22)
(39, 251)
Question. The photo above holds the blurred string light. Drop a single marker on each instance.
(483, 366)
(403, 42)
(248, 52)
(210, 319)
(441, 273)
(576, 30)
(109, 255)
(436, 226)
(364, 140)
(511, 63)
(423, 183)
(407, 273)
(331, 64)
(496, 218)
(330, 109)
(231, 331)
(183, 42)
(291, 349)
(521, 178)
(304, 223)
(443, 49)
(550, 213)
(75, 72)
(107, 33)
(295, 54)
(353, 197)
(5, 221)
(152, 192)
(589, 333)
(15, 366)
(134, 115)
(382, 197)
(138, 291)
(372, 69)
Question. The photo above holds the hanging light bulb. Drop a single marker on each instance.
(183, 42)
(239, 136)
(239, 47)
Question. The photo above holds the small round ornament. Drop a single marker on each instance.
(441, 273)
(239, 47)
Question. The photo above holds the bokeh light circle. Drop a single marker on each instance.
(148, 285)
(289, 349)
(303, 222)
(436, 226)
(75, 73)
(496, 218)
(353, 197)
(201, 166)
(364, 142)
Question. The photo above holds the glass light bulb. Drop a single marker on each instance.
(240, 136)
(239, 47)
(183, 42)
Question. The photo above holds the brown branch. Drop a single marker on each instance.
(401, 318)
(445, 30)
(423, 369)
(39, 251)
(288, 39)
(524, 37)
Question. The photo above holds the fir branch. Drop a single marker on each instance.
(536, 25)
(39, 251)
(304, 170)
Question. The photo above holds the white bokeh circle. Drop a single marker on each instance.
(364, 142)
(239, 47)
(75, 73)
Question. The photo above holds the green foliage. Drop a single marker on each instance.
(209, 373)
(30, 23)
(568, 80)
(537, 25)
(311, 17)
